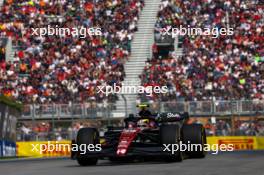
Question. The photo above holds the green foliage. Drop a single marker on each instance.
(9, 102)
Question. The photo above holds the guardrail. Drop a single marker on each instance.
(95, 110)
(66, 111)
(216, 107)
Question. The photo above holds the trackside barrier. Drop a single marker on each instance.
(62, 148)
(44, 149)
(7, 148)
(195, 108)
(239, 142)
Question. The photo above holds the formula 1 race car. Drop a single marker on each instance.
(143, 137)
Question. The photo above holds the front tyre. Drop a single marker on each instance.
(87, 136)
(87, 162)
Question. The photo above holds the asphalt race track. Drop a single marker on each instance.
(235, 163)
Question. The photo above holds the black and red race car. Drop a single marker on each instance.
(143, 137)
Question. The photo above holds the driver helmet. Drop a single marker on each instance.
(143, 106)
(143, 123)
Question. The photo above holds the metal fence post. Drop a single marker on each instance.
(33, 118)
(214, 107)
(108, 115)
(125, 100)
(53, 121)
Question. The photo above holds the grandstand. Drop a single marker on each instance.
(56, 77)
(225, 68)
(63, 69)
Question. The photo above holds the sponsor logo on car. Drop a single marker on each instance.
(171, 115)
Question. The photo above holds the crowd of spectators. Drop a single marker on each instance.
(230, 67)
(224, 127)
(66, 68)
(250, 128)
(46, 130)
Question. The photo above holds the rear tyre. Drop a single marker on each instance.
(170, 134)
(87, 162)
(87, 136)
(194, 134)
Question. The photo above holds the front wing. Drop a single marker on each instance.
(132, 151)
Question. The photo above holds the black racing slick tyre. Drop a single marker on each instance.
(170, 134)
(87, 136)
(194, 134)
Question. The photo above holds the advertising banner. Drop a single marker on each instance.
(1, 148)
(44, 149)
(63, 148)
(239, 142)
(7, 149)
